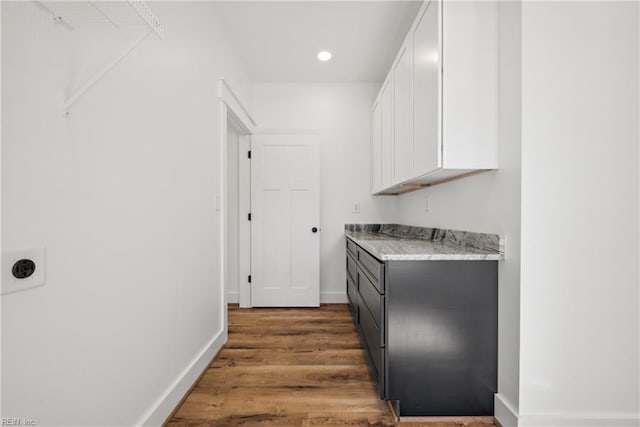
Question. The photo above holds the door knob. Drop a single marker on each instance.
(314, 230)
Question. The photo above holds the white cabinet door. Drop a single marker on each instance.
(376, 149)
(470, 85)
(386, 132)
(427, 145)
(403, 116)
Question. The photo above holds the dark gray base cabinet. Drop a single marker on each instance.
(429, 330)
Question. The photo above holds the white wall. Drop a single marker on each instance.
(233, 206)
(490, 203)
(340, 113)
(122, 194)
(579, 279)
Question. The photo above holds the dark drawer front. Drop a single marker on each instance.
(373, 300)
(352, 248)
(373, 268)
(372, 338)
(352, 290)
(351, 267)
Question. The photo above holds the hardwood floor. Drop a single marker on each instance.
(290, 367)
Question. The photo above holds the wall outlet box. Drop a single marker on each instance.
(13, 269)
(355, 208)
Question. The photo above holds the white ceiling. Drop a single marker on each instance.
(279, 41)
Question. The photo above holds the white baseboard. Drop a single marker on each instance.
(233, 297)
(162, 408)
(325, 298)
(333, 298)
(507, 416)
(579, 420)
(504, 412)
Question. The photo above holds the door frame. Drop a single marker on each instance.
(231, 109)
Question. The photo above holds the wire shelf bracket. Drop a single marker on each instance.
(79, 92)
(89, 14)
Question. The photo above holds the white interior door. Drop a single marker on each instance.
(285, 215)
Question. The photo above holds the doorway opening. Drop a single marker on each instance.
(238, 208)
(233, 199)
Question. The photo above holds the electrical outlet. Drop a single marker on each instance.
(22, 269)
(356, 208)
(427, 204)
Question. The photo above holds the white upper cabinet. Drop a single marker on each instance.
(443, 86)
(376, 148)
(402, 73)
(382, 139)
(470, 85)
(426, 88)
(386, 139)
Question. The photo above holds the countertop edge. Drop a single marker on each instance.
(426, 257)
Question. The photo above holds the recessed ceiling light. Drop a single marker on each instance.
(324, 55)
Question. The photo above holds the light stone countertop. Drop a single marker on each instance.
(388, 247)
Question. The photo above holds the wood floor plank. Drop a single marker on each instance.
(276, 356)
(291, 367)
(306, 341)
(287, 375)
